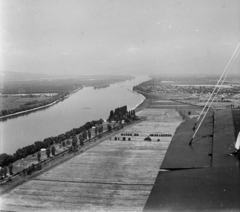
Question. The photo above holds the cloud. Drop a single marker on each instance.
(133, 49)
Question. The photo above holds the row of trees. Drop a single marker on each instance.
(118, 114)
(84, 133)
(29, 170)
(49, 150)
(121, 114)
(6, 159)
(4, 170)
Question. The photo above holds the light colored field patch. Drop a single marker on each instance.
(115, 175)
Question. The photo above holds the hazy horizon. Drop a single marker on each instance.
(131, 37)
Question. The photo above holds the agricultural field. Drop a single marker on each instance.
(12, 102)
(115, 175)
(24, 163)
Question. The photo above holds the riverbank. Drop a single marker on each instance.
(117, 174)
(67, 115)
(147, 101)
(154, 95)
(93, 166)
(27, 111)
(39, 108)
(62, 154)
(137, 108)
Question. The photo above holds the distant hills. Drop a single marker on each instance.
(10, 76)
(27, 83)
(7, 76)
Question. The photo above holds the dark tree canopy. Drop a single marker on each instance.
(96, 130)
(10, 168)
(48, 152)
(111, 114)
(6, 159)
(74, 143)
(39, 156)
(89, 134)
(109, 127)
(53, 150)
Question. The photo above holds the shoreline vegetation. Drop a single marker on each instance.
(116, 118)
(60, 98)
(77, 136)
(71, 141)
(14, 106)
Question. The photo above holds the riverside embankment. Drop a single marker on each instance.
(83, 106)
(38, 108)
(115, 175)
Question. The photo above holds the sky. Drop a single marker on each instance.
(118, 36)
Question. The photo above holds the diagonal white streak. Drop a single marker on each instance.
(217, 90)
(218, 82)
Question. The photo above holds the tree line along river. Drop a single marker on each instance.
(85, 105)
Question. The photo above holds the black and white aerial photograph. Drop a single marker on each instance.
(119, 105)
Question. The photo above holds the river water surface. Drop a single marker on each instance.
(85, 105)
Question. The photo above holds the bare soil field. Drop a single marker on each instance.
(115, 175)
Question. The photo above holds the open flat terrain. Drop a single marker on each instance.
(11, 102)
(115, 175)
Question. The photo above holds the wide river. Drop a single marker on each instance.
(85, 105)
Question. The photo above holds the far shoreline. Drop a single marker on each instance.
(38, 108)
(146, 102)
